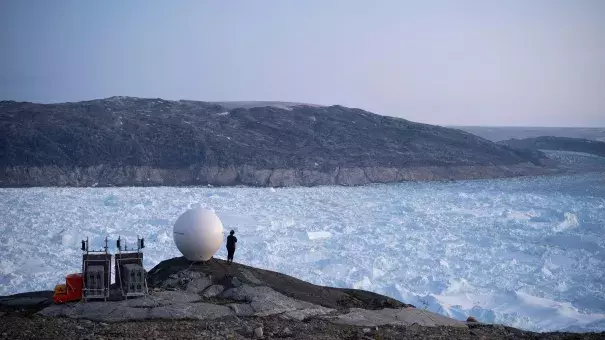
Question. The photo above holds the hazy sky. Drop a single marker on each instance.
(478, 62)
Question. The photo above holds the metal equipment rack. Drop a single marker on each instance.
(95, 261)
(135, 282)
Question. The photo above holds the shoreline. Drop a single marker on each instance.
(100, 176)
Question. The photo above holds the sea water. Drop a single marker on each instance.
(526, 252)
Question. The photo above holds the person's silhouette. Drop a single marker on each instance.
(231, 240)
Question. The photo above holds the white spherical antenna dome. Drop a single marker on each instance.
(198, 234)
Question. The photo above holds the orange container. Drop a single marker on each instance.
(75, 283)
(60, 289)
(71, 290)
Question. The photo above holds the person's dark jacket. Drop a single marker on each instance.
(231, 240)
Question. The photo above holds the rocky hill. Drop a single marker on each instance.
(124, 141)
(215, 300)
(558, 144)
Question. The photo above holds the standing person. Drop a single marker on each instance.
(231, 241)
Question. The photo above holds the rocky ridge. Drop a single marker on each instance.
(124, 141)
(219, 301)
(213, 290)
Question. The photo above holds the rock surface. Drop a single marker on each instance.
(180, 289)
(123, 141)
(213, 291)
(257, 293)
(257, 282)
(401, 317)
(16, 326)
(26, 302)
(279, 305)
(258, 332)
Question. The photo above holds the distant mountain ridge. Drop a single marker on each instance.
(558, 144)
(125, 141)
(500, 133)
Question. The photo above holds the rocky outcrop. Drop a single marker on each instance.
(161, 305)
(213, 290)
(30, 302)
(216, 301)
(124, 141)
(244, 283)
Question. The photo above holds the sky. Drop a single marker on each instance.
(448, 62)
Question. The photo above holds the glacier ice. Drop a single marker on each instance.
(317, 235)
(525, 252)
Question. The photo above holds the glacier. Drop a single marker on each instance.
(524, 252)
